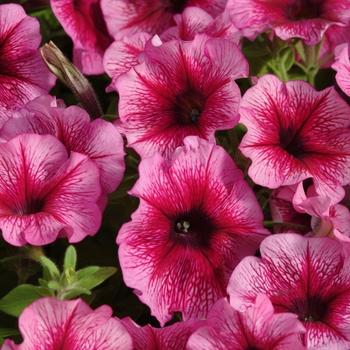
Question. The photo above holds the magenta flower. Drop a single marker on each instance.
(295, 133)
(23, 73)
(182, 88)
(342, 67)
(125, 17)
(172, 337)
(196, 220)
(282, 210)
(50, 324)
(334, 36)
(195, 20)
(45, 195)
(99, 140)
(123, 54)
(322, 218)
(306, 276)
(256, 328)
(307, 19)
(84, 23)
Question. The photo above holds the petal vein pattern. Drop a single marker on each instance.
(294, 133)
(196, 220)
(44, 194)
(305, 276)
(182, 88)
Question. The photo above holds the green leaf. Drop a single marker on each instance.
(18, 299)
(45, 292)
(55, 273)
(254, 51)
(42, 282)
(75, 292)
(6, 332)
(54, 285)
(94, 279)
(87, 271)
(70, 259)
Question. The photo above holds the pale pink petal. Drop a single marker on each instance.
(23, 73)
(195, 20)
(201, 188)
(305, 276)
(59, 324)
(257, 328)
(84, 23)
(72, 195)
(122, 54)
(177, 91)
(296, 132)
(172, 337)
(43, 193)
(342, 67)
(99, 140)
(289, 19)
(125, 17)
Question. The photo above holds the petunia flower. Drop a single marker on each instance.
(44, 194)
(182, 88)
(256, 328)
(99, 140)
(333, 37)
(23, 73)
(295, 133)
(196, 220)
(50, 324)
(83, 21)
(292, 204)
(306, 276)
(307, 19)
(126, 17)
(342, 67)
(195, 20)
(172, 337)
(124, 54)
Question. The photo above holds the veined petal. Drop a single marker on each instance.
(181, 247)
(23, 73)
(305, 276)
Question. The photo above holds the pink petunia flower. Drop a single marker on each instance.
(306, 276)
(195, 20)
(182, 88)
(307, 19)
(126, 17)
(50, 324)
(172, 337)
(342, 67)
(99, 140)
(322, 218)
(196, 220)
(256, 328)
(334, 36)
(83, 21)
(44, 194)
(23, 73)
(124, 54)
(295, 133)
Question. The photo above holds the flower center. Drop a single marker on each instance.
(175, 6)
(189, 107)
(32, 206)
(292, 143)
(312, 309)
(304, 9)
(193, 229)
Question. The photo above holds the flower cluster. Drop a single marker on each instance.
(218, 161)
